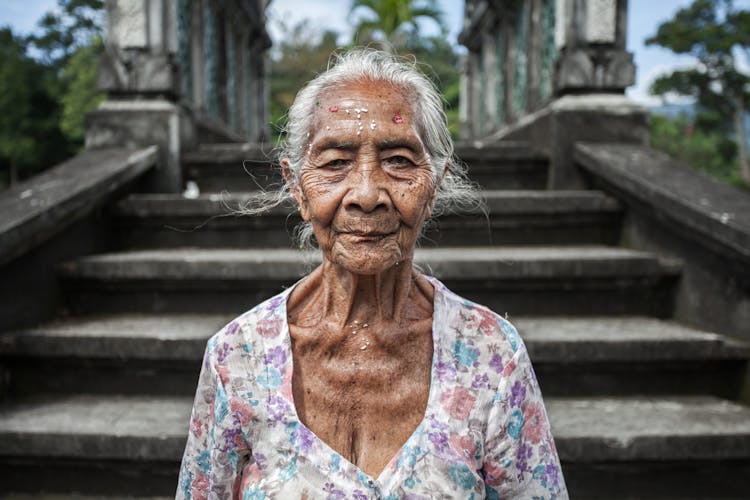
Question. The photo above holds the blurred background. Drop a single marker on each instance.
(51, 48)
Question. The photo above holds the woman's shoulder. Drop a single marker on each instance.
(266, 320)
(474, 322)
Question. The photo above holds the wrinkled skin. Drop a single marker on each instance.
(366, 186)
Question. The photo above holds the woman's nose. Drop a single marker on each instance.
(367, 191)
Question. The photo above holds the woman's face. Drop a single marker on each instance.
(366, 184)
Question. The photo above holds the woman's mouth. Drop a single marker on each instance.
(367, 236)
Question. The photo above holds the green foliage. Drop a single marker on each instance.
(30, 135)
(709, 151)
(80, 94)
(75, 24)
(44, 98)
(715, 33)
(392, 23)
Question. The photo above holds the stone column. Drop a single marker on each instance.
(139, 74)
(592, 71)
(463, 100)
(534, 62)
(475, 94)
(490, 119)
(590, 36)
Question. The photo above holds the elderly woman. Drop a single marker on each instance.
(368, 379)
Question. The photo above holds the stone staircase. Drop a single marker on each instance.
(641, 407)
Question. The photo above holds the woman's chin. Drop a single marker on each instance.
(367, 263)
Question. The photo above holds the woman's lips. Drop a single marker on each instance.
(367, 236)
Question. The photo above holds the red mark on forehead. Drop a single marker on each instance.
(397, 118)
(333, 109)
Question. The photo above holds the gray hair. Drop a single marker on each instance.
(454, 190)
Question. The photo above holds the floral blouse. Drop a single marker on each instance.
(485, 432)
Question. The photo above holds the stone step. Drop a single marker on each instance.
(634, 447)
(632, 355)
(506, 165)
(234, 166)
(93, 444)
(665, 447)
(247, 167)
(123, 354)
(512, 218)
(160, 354)
(590, 280)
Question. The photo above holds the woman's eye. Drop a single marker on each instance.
(398, 161)
(336, 164)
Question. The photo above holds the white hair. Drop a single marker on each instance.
(454, 190)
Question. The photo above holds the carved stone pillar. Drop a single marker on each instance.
(590, 37)
(490, 120)
(140, 47)
(141, 78)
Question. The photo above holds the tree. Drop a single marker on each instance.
(30, 135)
(715, 33)
(74, 25)
(70, 43)
(393, 23)
(709, 151)
(80, 94)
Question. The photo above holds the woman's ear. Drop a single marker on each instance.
(294, 189)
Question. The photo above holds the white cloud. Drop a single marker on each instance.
(640, 94)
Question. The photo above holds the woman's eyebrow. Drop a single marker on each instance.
(399, 143)
(334, 143)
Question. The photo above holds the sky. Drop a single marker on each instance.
(644, 17)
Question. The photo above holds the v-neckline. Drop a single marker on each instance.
(431, 395)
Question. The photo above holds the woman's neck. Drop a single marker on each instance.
(339, 298)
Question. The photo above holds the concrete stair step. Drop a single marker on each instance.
(591, 280)
(607, 445)
(664, 447)
(506, 165)
(235, 166)
(632, 355)
(245, 167)
(512, 217)
(123, 354)
(93, 444)
(160, 354)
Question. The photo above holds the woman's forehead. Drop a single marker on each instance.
(364, 96)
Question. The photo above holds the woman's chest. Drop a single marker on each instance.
(364, 409)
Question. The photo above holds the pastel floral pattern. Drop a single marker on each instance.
(485, 433)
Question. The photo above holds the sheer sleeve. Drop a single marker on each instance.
(216, 447)
(520, 457)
